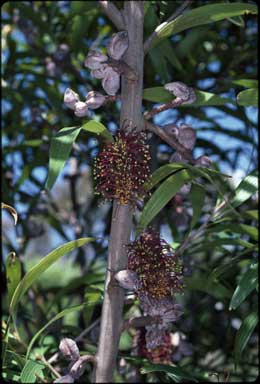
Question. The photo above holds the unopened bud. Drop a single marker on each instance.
(187, 136)
(111, 82)
(203, 161)
(70, 98)
(182, 91)
(69, 349)
(94, 100)
(95, 59)
(100, 72)
(118, 44)
(127, 279)
(81, 109)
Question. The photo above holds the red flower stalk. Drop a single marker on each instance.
(158, 270)
(122, 168)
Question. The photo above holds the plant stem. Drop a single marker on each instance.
(131, 94)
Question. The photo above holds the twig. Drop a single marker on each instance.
(169, 140)
(172, 104)
(149, 42)
(142, 321)
(113, 14)
(42, 358)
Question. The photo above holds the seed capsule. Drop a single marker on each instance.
(95, 59)
(70, 98)
(118, 45)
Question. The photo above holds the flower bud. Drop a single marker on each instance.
(182, 91)
(70, 98)
(118, 44)
(95, 59)
(81, 109)
(94, 100)
(100, 72)
(187, 136)
(69, 349)
(203, 161)
(111, 82)
(127, 279)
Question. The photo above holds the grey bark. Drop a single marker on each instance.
(131, 113)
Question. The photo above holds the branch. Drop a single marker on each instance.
(149, 42)
(113, 14)
(169, 140)
(172, 104)
(142, 321)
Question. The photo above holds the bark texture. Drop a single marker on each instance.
(131, 116)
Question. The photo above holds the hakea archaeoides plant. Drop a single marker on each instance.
(122, 168)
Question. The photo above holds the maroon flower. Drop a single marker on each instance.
(122, 168)
(158, 270)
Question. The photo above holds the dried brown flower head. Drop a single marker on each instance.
(122, 168)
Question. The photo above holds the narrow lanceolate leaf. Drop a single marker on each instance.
(197, 195)
(98, 129)
(160, 95)
(10, 210)
(41, 267)
(248, 98)
(30, 371)
(247, 83)
(61, 146)
(60, 149)
(247, 188)
(242, 229)
(206, 285)
(55, 318)
(246, 285)
(13, 273)
(244, 333)
(161, 173)
(161, 197)
(204, 15)
(176, 373)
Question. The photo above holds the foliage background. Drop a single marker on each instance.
(36, 69)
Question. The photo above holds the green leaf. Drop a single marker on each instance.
(197, 195)
(41, 267)
(247, 187)
(206, 285)
(29, 371)
(243, 229)
(99, 129)
(62, 143)
(175, 372)
(246, 285)
(161, 95)
(247, 83)
(55, 318)
(203, 15)
(248, 98)
(243, 335)
(161, 197)
(60, 149)
(13, 273)
(161, 173)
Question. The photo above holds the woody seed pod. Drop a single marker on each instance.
(69, 349)
(127, 279)
(70, 98)
(95, 59)
(187, 136)
(111, 81)
(203, 161)
(94, 100)
(118, 44)
(80, 109)
(181, 91)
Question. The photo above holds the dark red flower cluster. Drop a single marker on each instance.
(161, 354)
(122, 168)
(158, 269)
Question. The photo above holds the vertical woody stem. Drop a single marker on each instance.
(131, 113)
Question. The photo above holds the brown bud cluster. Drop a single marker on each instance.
(159, 271)
(122, 168)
